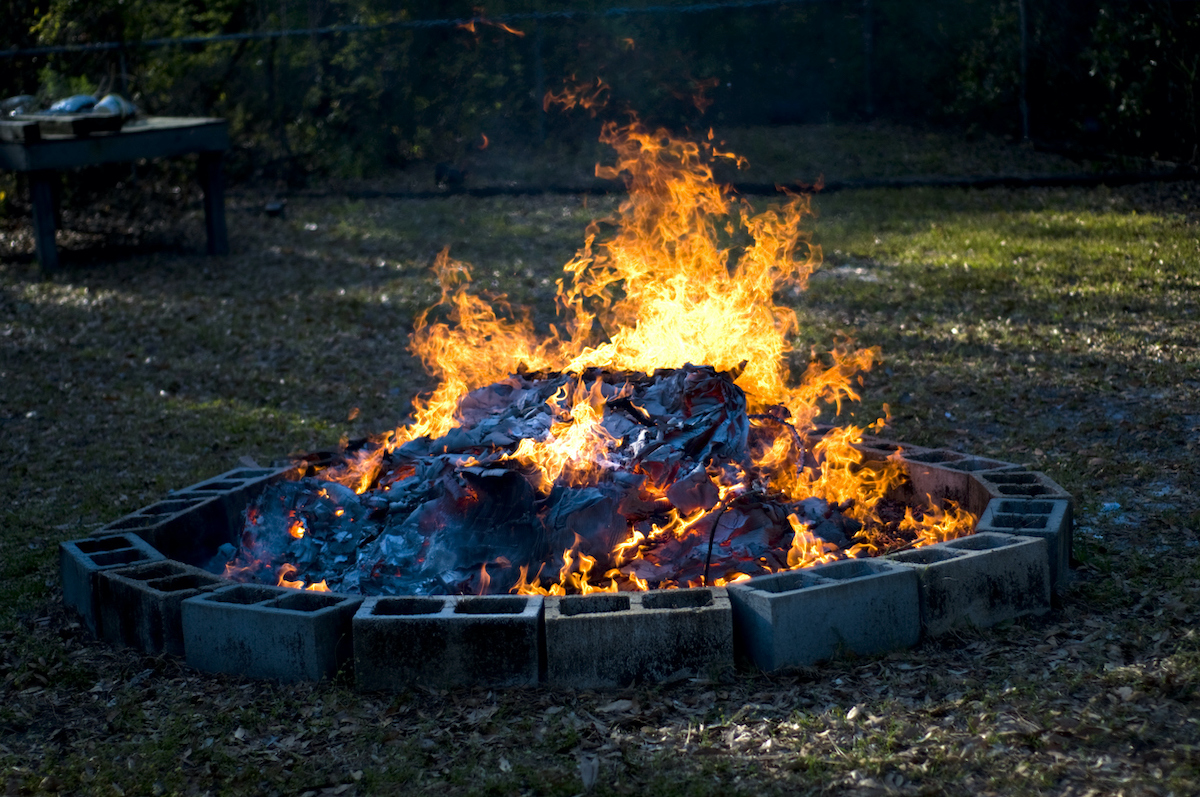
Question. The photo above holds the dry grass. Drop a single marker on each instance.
(1057, 328)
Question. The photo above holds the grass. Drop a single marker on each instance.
(1051, 327)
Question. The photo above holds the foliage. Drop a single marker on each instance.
(1120, 76)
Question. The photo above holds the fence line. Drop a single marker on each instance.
(524, 16)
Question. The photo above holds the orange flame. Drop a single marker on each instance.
(290, 570)
(578, 94)
(480, 19)
(576, 445)
(691, 275)
(939, 524)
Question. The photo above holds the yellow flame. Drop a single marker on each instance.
(938, 524)
(576, 447)
(690, 275)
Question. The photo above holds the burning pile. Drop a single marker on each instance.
(651, 440)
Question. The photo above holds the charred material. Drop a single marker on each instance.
(659, 492)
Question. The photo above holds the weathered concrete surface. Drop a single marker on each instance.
(1050, 520)
(862, 606)
(979, 581)
(448, 641)
(139, 606)
(269, 632)
(616, 639)
(80, 560)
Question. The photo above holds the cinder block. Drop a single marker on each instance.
(1049, 520)
(188, 529)
(875, 449)
(798, 618)
(979, 580)
(1016, 484)
(943, 474)
(139, 606)
(615, 639)
(448, 641)
(269, 632)
(236, 489)
(80, 560)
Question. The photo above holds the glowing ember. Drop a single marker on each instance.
(651, 439)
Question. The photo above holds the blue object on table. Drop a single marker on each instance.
(80, 103)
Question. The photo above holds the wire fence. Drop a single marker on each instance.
(353, 87)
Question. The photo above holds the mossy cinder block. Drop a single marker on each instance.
(448, 641)
(616, 639)
(801, 617)
(80, 560)
(269, 632)
(979, 580)
(139, 606)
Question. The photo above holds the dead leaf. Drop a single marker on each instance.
(589, 770)
(616, 705)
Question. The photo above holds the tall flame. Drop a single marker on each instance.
(690, 276)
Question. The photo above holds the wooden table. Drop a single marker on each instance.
(150, 137)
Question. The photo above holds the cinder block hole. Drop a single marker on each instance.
(395, 607)
(306, 601)
(1013, 478)
(215, 487)
(1027, 507)
(678, 599)
(593, 604)
(244, 594)
(883, 446)
(932, 457)
(495, 605)
(248, 473)
(169, 507)
(1021, 489)
(180, 583)
(972, 465)
(1020, 521)
(151, 572)
(846, 570)
(784, 582)
(125, 557)
(981, 542)
(131, 522)
(102, 544)
(924, 556)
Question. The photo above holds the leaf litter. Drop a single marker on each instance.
(152, 372)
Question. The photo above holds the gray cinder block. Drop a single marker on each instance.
(80, 560)
(446, 641)
(979, 581)
(186, 528)
(139, 606)
(236, 489)
(798, 618)
(269, 632)
(943, 474)
(1050, 520)
(1018, 485)
(616, 639)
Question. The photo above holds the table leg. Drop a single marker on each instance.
(213, 183)
(41, 196)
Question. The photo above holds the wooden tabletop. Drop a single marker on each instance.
(147, 137)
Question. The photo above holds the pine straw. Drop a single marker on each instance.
(1070, 343)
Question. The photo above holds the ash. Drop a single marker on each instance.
(461, 515)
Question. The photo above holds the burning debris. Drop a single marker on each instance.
(650, 440)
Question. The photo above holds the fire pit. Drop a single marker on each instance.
(635, 495)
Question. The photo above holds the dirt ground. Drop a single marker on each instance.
(1056, 328)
